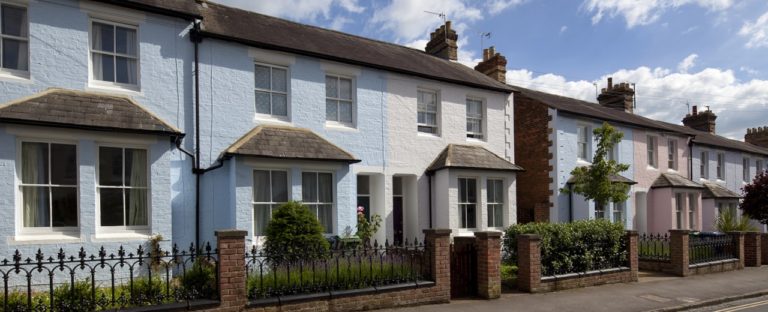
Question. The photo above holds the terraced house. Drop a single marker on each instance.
(125, 119)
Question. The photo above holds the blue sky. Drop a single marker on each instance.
(702, 52)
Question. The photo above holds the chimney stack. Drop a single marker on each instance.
(620, 97)
(494, 65)
(442, 43)
(702, 121)
(757, 136)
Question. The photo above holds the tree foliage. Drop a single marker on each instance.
(594, 182)
(294, 230)
(728, 221)
(755, 204)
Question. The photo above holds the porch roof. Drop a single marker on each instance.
(674, 180)
(714, 190)
(287, 142)
(614, 178)
(470, 157)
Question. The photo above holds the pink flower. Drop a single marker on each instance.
(360, 209)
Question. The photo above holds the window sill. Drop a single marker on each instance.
(15, 76)
(582, 162)
(52, 238)
(112, 88)
(115, 237)
(475, 140)
(649, 167)
(428, 135)
(282, 120)
(339, 126)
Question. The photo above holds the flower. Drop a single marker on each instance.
(360, 209)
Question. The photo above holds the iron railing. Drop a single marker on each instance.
(338, 268)
(108, 281)
(653, 247)
(709, 248)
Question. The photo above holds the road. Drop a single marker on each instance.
(759, 304)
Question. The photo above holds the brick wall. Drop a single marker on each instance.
(752, 253)
(532, 153)
(679, 263)
(488, 246)
(764, 248)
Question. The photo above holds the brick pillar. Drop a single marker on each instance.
(488, 264)
(752, 247)
(232, 289)
(528, 262)
(678, 249)
(739, 241)
(633, 256)
(439, 241)
(764, 248)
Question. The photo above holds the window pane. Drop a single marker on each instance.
(345, 111)
(397, 185)
(63, 164)
(325, 189)
(15, 54)
(331, 87)
(279, 104)
(471, 191)
(34, 163)
(279, 186)
(125, 41)
(365, 202)
(126, 70)
(110, 166)
(462, 190)
(309, 187)
(279, 79)
(103, 37)
(430, 119)
(498, 215)
(325, 215)
(14, 21)
(103, 67)
(363, 184)
(135, 167)
(111, 207)
(261, 217)
(331, 107)
(473, 125)
(345, 89)
(427, 129)
(262, 77)
(261, 186)
(64, 201)
(471, 215)
(136, 207)
(262, 102)
(36, 206)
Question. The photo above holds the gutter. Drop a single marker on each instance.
(153, 9)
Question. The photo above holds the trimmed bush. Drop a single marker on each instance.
(571, 247)
(294, 231)
(200, 279)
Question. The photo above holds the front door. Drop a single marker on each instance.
(397, 209)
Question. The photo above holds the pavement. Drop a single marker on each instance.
(653, 292)
(759, 304)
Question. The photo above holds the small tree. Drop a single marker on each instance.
(755, 204)
(594, 182)
(294, 231)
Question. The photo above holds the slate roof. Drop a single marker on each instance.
(714, 190)
(594, 110)
(288, 143)
(674, 180)
(272, 33)
(187, 9)
(84, 110)
(470, 157)
(613, 178)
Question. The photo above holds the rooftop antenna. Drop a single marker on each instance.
(440, 15)
(689, 106)
(484, 35)
(708, 108)
(595, 84)
(634, 95)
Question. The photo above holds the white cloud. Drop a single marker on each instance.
(687, 63)
(749, 70)
(497, 6)
(756, 32)
(351, 6)
(339, 22)
(662, 94)
(644, 12)
(295, 9)
(409, 20)
(563, 29)
(689, 30)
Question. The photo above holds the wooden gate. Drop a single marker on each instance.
(463, 268)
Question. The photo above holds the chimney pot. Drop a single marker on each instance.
(443, 42)
(695, 110)
(704, 121)
(494, 65)
(610, 83)
(619, 97)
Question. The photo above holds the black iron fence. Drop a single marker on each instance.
(335, 269)
(108, 280)
(653, 247)
(712, 247)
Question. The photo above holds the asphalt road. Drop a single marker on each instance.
(759, 304)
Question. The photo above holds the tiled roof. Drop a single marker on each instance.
(714, 190)
(288, 143)
(594, 110)
(179, 8)
(674, 180)
(470, 157)
(84, 110)
(613, 178)
(272, 33)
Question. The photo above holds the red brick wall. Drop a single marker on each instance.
(532, 153)
(752, 252)
(764, 248)
(488, 264)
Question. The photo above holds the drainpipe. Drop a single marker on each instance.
(196, 39)
(570, 202)
(429, 192)
(690, 158)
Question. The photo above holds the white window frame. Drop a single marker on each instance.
(759, 166)
(491, 221)
(584, 143)
(476, 135)
(352, 101)
(464, 223)
(15, 72)
(316, 203)
(366, 195)
(652, 147)
(672, 154)
(679, 208)
(745, 164)
(109, 84)
(138, 229)
(692, 208)
(721, 166)
(704, 165)
(436, 126)
(21, 229)
(287, 92)
(619, 208)
(270, 203)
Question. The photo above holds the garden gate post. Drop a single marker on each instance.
(739, 242)
(632, 254)
(752, 253)
(678, 251)
(488, 264)
(232, 289)
(764, 248)
(528, 262)
(439, 243)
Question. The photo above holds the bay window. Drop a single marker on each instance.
(467, 202)
(48, 185)
(495, 202)
(123, 188)
(317, 194)
(270, 189)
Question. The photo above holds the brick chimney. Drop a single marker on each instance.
(620, 97)
(494, 65)
(757, 136)
(702, 121)
(442, 42)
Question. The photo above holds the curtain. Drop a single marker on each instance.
(34, 171)
(137, 206)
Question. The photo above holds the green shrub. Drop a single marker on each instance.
(508, 276)
(728, 221)
(200, 279)
(571, 247)
(80, 294)
(17, 301)
(294, 231)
